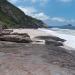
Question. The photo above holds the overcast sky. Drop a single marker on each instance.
(53, 12)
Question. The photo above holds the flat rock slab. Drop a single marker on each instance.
(37, 41)
(16, 37)
(26, 59)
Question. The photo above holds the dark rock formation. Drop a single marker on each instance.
(11, 16)
(50, 37)
(53, 42)
(5, 32)
(19, 38)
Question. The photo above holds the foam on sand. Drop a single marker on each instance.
(70, 39)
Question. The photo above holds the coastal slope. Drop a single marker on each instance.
(11, 16)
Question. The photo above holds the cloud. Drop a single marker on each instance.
(28, 10)
(58, 19)
(13, 1)
(41, 16)
(65, 1)
(62, 20)
(41, 2)
(34, 13)
(33, 1)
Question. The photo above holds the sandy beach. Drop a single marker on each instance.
(35, 59)
(32, 32)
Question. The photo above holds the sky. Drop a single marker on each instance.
(52, 12)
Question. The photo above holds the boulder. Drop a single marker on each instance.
(25, 38)
(53, 42)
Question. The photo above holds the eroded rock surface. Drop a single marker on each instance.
(15, 37)
(30, 59)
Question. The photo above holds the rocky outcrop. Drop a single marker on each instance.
(16, 37)
(5, 32)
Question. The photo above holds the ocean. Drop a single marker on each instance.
(67, 34)
(64, 31)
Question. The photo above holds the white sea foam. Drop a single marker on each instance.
(64, 31)
(70, 38)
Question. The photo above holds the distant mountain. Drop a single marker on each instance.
(68, 26)
(12, 16)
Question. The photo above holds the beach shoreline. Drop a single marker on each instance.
(45, 32)
(36, 58)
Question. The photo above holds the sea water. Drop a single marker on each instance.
(67, 34)
(64, 31)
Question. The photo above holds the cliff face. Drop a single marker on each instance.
(12, 16)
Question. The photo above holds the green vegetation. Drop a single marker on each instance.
(12, 16)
